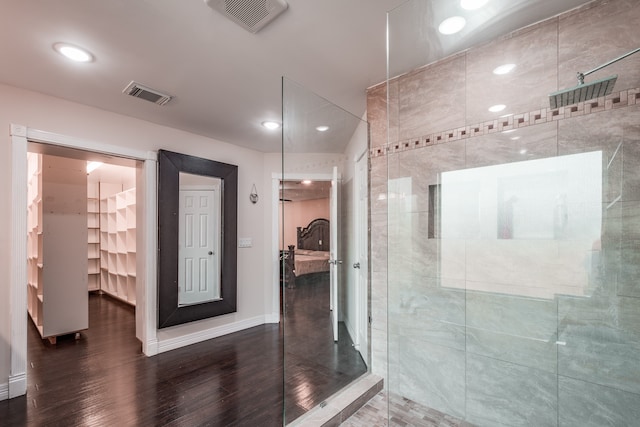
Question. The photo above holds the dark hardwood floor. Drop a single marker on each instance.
(316, 367)
(103, 379)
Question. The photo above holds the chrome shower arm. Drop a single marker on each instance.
(581, 76)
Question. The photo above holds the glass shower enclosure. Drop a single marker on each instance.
(511, 230)
(320, 228)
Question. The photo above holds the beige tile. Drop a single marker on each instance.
(432, 99)
(377, 114)
(596, 36)
(526, 88)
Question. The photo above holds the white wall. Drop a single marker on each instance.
(55, 115)
(357, 145)
(300, 214)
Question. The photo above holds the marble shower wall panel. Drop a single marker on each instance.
(377, 111)
(521, 350)
(508, 394)
(377, 114)
(379, 352)
(379, 287)
(598, 132)
(605, 265)
(378, 178)
(399, 241)
(379, 233)
(378, 242)
(629, 283)
(513, 329)
(394, 110)
(534, 53)
(596, 35)
(432, 98)
(617, 134)
(432, 373)
(629, 121)
(427, 312)
(413, 256)
(602, 337)
(534, 142)
(584, 404)
(422, 169)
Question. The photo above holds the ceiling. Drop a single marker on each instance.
(297, 191)
(225, 80)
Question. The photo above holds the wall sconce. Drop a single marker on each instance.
(254, 195)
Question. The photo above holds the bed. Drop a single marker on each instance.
(311, 255)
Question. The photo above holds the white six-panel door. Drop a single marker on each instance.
(198, 268)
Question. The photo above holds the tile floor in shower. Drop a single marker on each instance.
(402, 413)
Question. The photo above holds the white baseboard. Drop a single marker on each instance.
(4, 391)
(151, 348)
(272, 318)
(17, 385)
(196, 337)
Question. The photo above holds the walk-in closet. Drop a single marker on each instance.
(81, 236)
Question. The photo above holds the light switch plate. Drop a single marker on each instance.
(245, 242)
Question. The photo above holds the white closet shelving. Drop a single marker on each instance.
(118, 245)
(34, 239)
(93, 234)
(57, 252)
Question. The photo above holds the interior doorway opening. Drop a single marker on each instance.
(303, 203)
(81, 236)
(146, 210)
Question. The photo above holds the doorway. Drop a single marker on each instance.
(146, 242)
(80, 203)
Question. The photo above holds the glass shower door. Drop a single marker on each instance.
(506, 235)
(319, 149)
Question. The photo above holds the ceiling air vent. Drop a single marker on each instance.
(148, 94)
(251, 15)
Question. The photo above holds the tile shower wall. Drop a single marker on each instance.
(528, 321)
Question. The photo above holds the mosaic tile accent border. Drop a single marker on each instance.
(614, 101)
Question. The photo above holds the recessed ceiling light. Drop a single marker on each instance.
(452, 25)
(322, 128)
(497, 108)
(306, 182)
(271, 125)
(73, 53)
(504, 69)
(472, 4)
(523, 151)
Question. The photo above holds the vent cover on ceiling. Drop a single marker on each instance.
(148, 94)
(252, 15)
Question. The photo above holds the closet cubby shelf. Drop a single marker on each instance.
(93, 232)
(118, 246)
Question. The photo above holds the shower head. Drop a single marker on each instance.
(582, 92)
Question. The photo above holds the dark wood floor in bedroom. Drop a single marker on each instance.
(235, 380)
